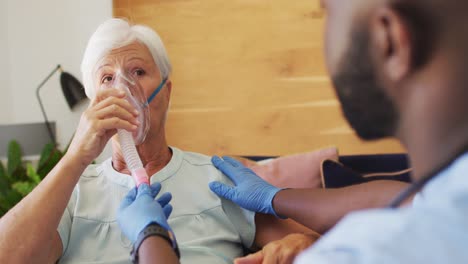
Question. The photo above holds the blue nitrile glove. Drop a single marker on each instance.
(139, 209)
(250, 191)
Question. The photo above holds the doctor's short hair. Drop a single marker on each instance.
(116, 33)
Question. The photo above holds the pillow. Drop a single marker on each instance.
(293, 171)
(336, 175)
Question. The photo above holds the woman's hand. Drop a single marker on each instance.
(108, 112)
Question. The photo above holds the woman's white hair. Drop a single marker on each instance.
(116, 33)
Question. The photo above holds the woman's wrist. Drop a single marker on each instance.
(75, 160)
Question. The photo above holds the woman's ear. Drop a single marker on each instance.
(169, 89)
(391, 44)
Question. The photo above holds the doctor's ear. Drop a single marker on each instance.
(391, 44)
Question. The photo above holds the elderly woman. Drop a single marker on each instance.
(71, 216)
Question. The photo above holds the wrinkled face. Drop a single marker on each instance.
(364, 102)
(136, 60)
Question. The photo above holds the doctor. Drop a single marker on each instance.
(399, 70)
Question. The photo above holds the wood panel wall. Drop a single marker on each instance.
(249, 77)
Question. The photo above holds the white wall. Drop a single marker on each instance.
(40, 35)
(5, 97)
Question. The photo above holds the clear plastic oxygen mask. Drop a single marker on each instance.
(128, 141)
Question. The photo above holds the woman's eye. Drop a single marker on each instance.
(139, 72)
(106, 78)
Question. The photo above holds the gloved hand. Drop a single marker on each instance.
(251, 192)
(139, 209)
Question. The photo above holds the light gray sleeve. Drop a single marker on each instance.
(243, 220)
(65, 224)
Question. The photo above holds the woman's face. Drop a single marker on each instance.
(135, 59)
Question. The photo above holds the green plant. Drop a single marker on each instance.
(18, 178)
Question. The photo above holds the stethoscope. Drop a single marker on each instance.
(419, 184)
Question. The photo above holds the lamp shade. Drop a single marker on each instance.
(72, 89)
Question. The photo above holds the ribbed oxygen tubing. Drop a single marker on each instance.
(129, 150)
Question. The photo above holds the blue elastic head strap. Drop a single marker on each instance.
(158, 89)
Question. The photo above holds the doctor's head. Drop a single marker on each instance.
(137, 51)
(385, 57)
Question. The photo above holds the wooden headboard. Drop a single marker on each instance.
(249, 77)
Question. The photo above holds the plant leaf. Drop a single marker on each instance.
(4, 204)
(2, 212)
(2, 170)
(19, 174)
(4, 180)
(45, 154)
(32, 174)
(23, 187)
(50, 156)
(14, 157)
(10, 199)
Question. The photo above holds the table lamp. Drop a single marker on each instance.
(73, 92)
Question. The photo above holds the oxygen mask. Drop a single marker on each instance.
(136, 97)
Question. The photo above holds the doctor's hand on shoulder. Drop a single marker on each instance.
(143, 220)
(250, 191)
